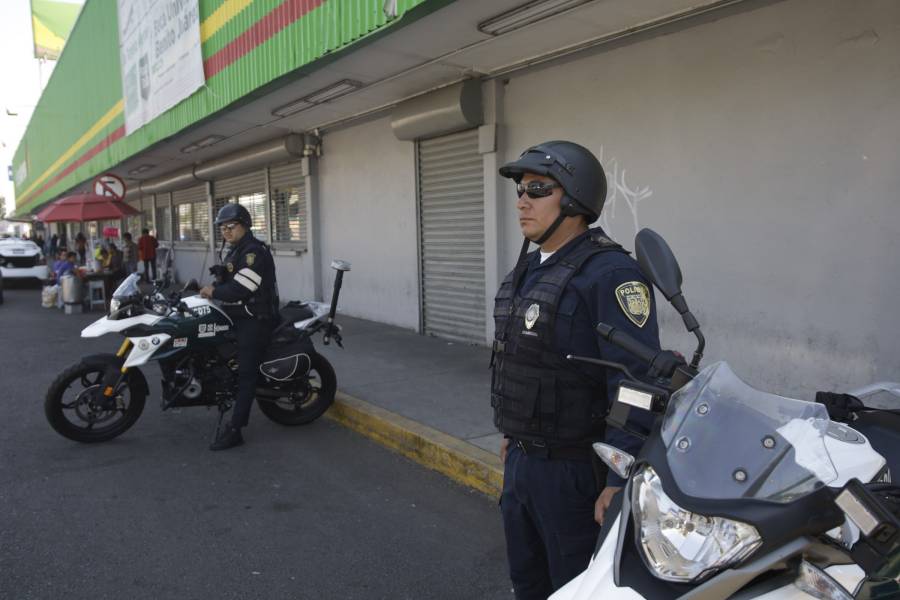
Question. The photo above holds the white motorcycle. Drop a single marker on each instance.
(739, 493)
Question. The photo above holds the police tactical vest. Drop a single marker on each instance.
(537, 394)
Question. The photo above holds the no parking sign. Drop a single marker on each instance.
(110, 185)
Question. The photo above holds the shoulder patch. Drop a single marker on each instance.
(634, 300)
(250, 258)
(230, 267)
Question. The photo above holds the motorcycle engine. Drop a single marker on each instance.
(197, 382)
(193, 389)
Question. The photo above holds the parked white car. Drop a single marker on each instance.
(22, 259)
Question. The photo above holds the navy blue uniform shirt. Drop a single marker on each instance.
(588, 299)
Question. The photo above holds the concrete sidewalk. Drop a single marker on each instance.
(422, 396)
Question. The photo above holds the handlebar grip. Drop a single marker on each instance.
(626, 342)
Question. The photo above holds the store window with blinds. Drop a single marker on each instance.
(147, 214)
(134, 223)
(133, 226)
(192, 222)
(288, 199)
(256, 205)
(218, 203)
(191, 215)
(248, 190)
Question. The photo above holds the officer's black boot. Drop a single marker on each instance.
(229, 437)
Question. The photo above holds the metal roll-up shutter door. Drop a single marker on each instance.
(451, 222)
(191, 194)
(228, 189)
(248, 183)
(287, 190)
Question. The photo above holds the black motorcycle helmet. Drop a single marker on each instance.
(574, 167)
(233, 212)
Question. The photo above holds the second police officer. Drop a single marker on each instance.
(551, 409)
(248, 291)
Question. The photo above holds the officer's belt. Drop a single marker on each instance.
(551, 452)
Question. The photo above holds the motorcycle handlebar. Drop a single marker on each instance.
(627, 343)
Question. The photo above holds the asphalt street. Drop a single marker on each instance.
(310, 512)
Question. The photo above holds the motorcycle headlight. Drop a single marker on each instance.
(114, 305)
(679, 545)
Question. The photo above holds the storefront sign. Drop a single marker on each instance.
(159, 54)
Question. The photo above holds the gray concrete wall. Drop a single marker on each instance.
(189, 264)
(764, 147)
(367, 207)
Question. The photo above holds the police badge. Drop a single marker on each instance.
(634, 300)
(531, 315)
(230, 267)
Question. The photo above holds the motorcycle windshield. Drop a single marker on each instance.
(726, 440)
(128, 288)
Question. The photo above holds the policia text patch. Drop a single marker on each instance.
(634, 300)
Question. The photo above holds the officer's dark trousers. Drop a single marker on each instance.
(548, 516)
(253, 336)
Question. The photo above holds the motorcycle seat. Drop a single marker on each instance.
(295, 311)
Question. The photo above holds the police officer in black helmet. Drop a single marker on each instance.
(551, 409)
(247, 288)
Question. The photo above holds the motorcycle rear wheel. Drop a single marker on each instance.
(304, 408)
(81, 404)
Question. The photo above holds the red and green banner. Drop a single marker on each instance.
(78, 128)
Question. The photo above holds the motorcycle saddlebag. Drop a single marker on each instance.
(286, 360)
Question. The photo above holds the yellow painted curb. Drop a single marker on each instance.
(461, 461)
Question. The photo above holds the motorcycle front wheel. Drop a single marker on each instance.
(76, 408)
(307, 403)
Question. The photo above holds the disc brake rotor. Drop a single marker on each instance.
(88, 412)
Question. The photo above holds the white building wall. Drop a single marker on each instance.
(367, 208)
(764, 148)
(295, 276)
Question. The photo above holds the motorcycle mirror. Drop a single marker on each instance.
(657, 262)
(659, 265)
(340, 265)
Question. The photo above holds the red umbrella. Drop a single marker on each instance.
(86, 207)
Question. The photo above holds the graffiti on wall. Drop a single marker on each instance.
(620, 196)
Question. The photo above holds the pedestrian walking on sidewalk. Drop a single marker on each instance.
(129, 253)
(147, 245)
(555, 493)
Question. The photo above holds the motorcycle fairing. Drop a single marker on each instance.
(194, 302)
(145, 347)
(104, 325)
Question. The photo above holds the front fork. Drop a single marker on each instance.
(109, 391)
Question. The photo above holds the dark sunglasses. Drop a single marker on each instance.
(228, 226)
(536, 189)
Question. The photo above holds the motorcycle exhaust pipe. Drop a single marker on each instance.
(340, 266)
